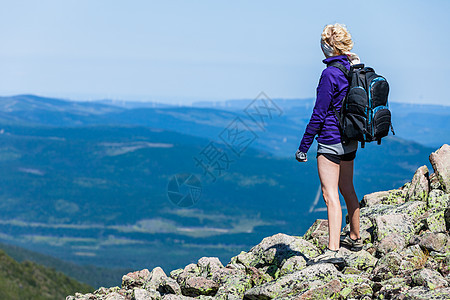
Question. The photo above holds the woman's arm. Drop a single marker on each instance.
(323, 99)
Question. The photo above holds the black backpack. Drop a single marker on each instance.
(365, 114)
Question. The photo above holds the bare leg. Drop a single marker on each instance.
(348, 192)
(329, 179)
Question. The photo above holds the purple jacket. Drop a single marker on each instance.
(333, 86)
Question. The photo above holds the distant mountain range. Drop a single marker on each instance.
(88, 182)
(423, 124)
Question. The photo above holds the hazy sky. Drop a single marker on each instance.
(182, 51)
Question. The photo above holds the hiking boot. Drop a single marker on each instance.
(354, 245)
(329, 256)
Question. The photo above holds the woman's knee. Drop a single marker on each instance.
(330, 198)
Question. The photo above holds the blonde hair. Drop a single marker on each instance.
(338, 37)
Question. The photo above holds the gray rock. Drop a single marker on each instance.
(176, 297)
(392, 224)
(374, 198)
(391, 197)
(437, 198)
(440, 160)
(298, 282)
(292, 264)
(413, 258)
(392, 242)
(429, 278)
(431, 241)
(434, 182)
(387, 266)
(392, 288)
(208, 265)
(189, 271)
(114, 296)
(196, 286)
(330, 290)
(169, 286)
(318, 233)
(135, 279)
(272, 252)
(156, 275)
(142, 294)
(361, 260)
(423, 293)
(233, 283)
(436, 221)
(420, 185)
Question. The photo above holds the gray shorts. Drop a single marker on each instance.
(338, 152)
(337, 149)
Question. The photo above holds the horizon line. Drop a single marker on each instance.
(178, 103)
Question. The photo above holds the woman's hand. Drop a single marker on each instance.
(300, 156)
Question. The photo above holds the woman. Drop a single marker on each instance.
(334, 159)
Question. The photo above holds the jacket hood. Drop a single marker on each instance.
(339, 58)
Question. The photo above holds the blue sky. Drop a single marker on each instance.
(184, 51)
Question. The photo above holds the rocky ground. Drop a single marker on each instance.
(406, 255)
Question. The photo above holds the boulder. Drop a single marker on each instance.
(196, 286)
(392, 224)
(361, 260)
(318, 234)
(136, 279)
(420, 185)
(440, 160)
(273, 251)
(429, 278)
(438, 199)
(312, 276)
(431, 241)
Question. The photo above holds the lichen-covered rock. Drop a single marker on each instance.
(156, 276)
(436, 221)
(387, 266)
(189, 271)
(115, 296)
(273, 251)
(440, 160)
(196, 286)
(135, 279)
(374, 198)
(438, 198)
(431, 241)
(318, 234)
(361, 260)
(412, 209)
(391, 197)
(232, 283)
(413, 257)
(176, 297)
(298, 282)
(420, 185)
(392, 224)
(376, 210)
(208, 265)
(330, 290)
(169, 286)
(392, 242)
(142, 294)
(429, 278)
(391, 288)
(423, 293)
(292, 264)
